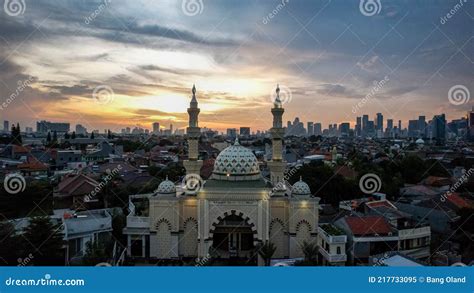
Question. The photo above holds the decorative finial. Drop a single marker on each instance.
(166, 177)
(301, 178)
(277, 99)
(236, 142)
(194, 89)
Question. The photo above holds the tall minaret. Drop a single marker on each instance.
(277, 164)
(193, 164)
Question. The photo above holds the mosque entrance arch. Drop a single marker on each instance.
(234, 236)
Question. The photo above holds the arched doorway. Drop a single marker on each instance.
(233, 236)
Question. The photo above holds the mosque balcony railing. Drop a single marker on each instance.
(138, 222)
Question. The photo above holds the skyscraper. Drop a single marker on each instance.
(470, 124)
(310, 128)
(438, 128)
(422, 126)
(358, 127)
(365, 122)
(318, 129)
(244, 131)
(379, 121)
(156, 127)
(6, 126)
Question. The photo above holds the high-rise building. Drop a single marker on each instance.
(344, 129)
(245, 131)
(422, 126)
(81, 130)
(46, 126)
(470, 124)
(365, 122)
(156, 127)
(400, 125)
(413, 128)
(358, 127)
(231, 133)
(318, 129)
(310, 130)
(6, 126)
(379, 121)
(438, 128)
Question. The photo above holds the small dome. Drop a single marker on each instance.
(166, 187)
(236, 163)
(300, 188)
(419, 141)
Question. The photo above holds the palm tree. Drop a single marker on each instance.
(310, 251)
(266, 252)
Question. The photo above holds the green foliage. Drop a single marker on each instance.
(36, 193)
(45, 241)
(10, 251)
(310, 251)
(96, 252)
(325, 184)
(266, 252)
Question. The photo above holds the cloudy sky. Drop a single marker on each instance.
(141, 58)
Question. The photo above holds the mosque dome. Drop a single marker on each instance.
(419, 141)
(166, 187)
(236, 163)
(300, 188)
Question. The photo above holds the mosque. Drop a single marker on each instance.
(231, 212)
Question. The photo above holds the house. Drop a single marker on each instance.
(82, 227)
(72, 190)
(367, 236)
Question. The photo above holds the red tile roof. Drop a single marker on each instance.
(33, 164)
(458, 201)
(368, 225)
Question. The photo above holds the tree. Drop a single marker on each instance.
(16, 135)
(109, 134)
(73, 136)
(92, 135)
(66, 135)
(96, 252)
(9, 251)
(310, 251)
(45, 240)
(266, 252)
(48, 138)
(55, 137)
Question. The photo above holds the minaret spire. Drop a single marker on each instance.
(277, 165)
(193, 164)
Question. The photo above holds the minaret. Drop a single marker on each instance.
(277, 164)
(193, 164)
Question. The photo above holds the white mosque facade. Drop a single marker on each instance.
(232, 212)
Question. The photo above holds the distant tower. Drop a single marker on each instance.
(334, 154)
(193, 164)
(277, 164)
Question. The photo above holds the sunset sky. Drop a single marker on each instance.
(325, 55)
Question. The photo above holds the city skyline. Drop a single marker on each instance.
(325, 55)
